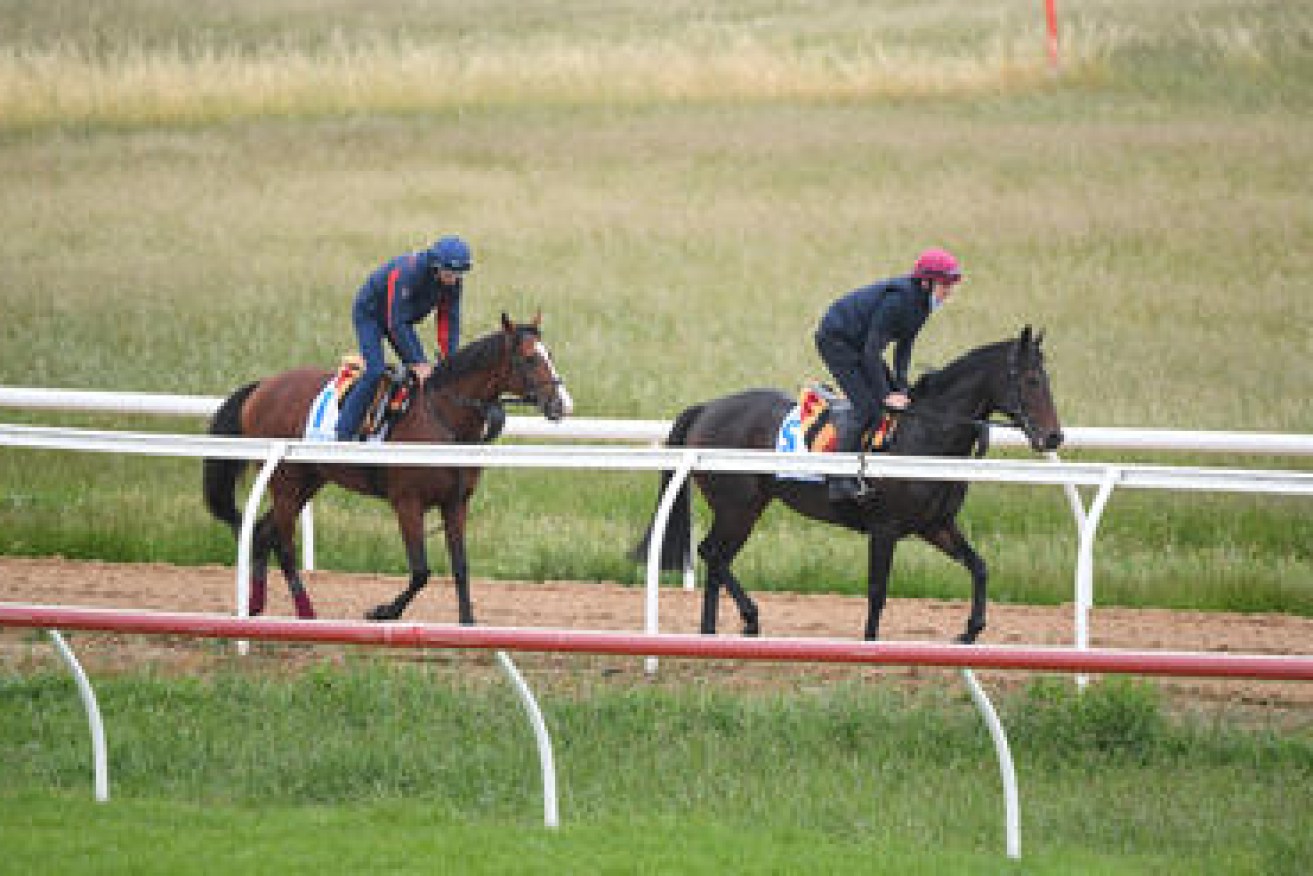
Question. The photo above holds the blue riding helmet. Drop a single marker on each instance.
(451, 254)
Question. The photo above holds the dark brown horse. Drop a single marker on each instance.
(458, 402)
(947, 418)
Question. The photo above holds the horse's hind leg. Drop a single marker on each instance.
(949, 539)
(736, 513)
(291, 489)
(718, 556)
(262, 542)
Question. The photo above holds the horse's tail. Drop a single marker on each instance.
(676, 544)
(220, 475)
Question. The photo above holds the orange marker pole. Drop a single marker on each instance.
(1051, 9)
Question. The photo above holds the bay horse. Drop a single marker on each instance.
(948, 417)
(458, 403)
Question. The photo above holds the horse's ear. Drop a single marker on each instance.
(537, 318)
(506, 323)
(1025, 335)
(1039, 337)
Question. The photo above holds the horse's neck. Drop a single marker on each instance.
(462, 402)
(948, 426)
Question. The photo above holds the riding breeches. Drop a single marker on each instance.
(851, 370)
(370, 337)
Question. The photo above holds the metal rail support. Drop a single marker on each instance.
(1085, 564)
(252, 510)
(551, 815)
(99, 759)
(655, 540)
(1007, 770)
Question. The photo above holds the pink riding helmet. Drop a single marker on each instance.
(937, 264)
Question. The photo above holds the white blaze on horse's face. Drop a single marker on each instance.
(563, 398)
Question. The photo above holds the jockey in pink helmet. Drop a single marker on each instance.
(857, 328)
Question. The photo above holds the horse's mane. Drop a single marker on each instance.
(934, 383)
(480, 355)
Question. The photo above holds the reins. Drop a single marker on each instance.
(1014, 409)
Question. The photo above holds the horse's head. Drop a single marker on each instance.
(533, 376)
(1029, 400)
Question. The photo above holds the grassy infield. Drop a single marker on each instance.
(190, 198)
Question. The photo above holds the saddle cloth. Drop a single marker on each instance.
(391, 400)
(811, 426)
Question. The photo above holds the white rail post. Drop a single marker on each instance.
(551, 816)
(1007, 770)
(308, 537)
(99, 760)
(1085, 563)
(249, 515)
(1077, 506)
(655, 540)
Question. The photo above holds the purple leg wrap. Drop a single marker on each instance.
(255, 607)
(304, 609)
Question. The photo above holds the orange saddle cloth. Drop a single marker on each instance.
(816, 417)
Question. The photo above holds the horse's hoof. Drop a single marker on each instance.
(966, 639)
(381, 613)
(752, 628)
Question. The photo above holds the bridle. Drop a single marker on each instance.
(493, 411)
(522, 367)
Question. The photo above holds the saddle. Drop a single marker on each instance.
(391, 399)
(822, 408)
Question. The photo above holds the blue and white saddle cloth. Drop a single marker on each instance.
(321, 423)
(791, 439)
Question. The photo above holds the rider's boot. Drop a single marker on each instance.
(846, 488)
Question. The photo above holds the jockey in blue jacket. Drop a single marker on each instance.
(855, 331)
(397, 295)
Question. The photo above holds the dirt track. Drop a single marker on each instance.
(598, 606)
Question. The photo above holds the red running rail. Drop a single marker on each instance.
(414, 635)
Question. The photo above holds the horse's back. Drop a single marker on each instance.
(279, 405)
(749, 419)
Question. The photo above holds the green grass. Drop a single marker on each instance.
(371, 762)
(189, 199)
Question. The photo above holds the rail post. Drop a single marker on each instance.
(1085, 563)
(655, 540)
(249, 514)
(546, 763)
(99, 758)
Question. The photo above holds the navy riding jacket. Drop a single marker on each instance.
(402, 292)
(872, 317)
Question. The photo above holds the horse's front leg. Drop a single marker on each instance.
(949, 539)
(879, 560)
(410, 517)
(453, 522)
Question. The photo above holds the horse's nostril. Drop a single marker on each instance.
(1054, 441)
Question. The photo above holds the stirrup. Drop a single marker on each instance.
(845, 488)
